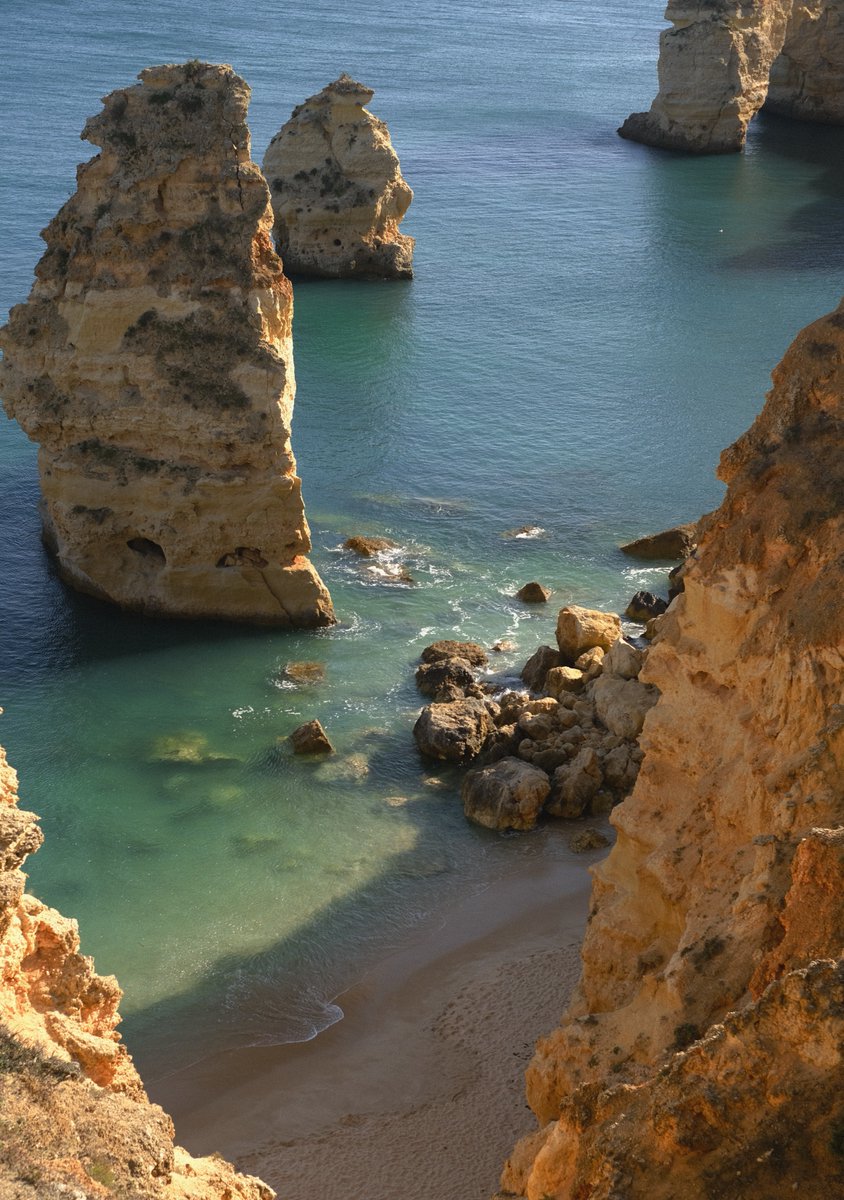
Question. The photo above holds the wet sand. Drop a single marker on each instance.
(418, 1092)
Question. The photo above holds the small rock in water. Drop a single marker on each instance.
(368, 546)
(678, 542)
(304, 672)
(471, 651)
(524, 531)
(588, 839)
(311, 738)
(503, 646)
(644, 606)
(396, 801)
(533, 593)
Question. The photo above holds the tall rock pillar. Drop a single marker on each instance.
(153, 364)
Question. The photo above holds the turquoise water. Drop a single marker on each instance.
(591, 322)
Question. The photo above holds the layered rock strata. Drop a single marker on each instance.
(337, 189)
(153, 364)
(720, 61)
(702, 1051)
(74, 1118)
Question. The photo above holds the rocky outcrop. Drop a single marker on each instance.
(74, 1117)
(337, 189)
(721, 60)
(724, 885)
(153, 364)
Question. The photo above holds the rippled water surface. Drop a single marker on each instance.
(591, 322)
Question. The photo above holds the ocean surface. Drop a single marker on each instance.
(591, 322)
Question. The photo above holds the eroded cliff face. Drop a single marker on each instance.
(720, 61)
(74, 1117)
(337, 189)
(725, 882)
(153, 364)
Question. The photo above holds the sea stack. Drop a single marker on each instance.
(703, 1045)
(337, 189)
(722, 61)
(153, 364)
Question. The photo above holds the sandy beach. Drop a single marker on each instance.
(418, 1091)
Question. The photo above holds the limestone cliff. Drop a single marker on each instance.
(725, 882)
(720, 61)
(337, 189)
(153, 364)
(74, 1117)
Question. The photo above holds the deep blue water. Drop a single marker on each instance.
(590, 323)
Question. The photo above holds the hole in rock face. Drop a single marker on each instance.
(147, 549)
(243, 556)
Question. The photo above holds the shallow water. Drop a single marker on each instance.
(591, 322)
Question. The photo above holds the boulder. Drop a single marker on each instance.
(644, 606)
(509, 794)
(588, 839)
(533, 593)
(624, 660)
(453, 732)
(678, 542)
(303, 673)
(622, 704)
(563, 679)
(579, 629)
(368, 546)
(447, 678)
(591, 662)
(538, 666)
(574, 784)
(471, 651)
(311, 738)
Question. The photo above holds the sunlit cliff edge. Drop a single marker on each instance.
(74, 1118)
(701, 1055)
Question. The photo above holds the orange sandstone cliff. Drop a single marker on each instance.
(701, 1055)
(153, 364)
(74, 1118)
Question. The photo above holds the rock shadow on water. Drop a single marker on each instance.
(813, 237)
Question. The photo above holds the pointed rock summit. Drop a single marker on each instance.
(337, 189)
(153, 363)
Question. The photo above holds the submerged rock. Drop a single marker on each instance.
(337, 189)
(153, 364)
(368, 546)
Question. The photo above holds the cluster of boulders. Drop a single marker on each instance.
(566, 748)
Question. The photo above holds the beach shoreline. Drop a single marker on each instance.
(418, 1090)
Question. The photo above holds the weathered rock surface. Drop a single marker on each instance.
(470, 651)
(580, 629)
(536, 669)
(153, 365)
(446, 679)
(645, 605)
(311, 738)
(721, 60)
(724, 883)
(337, 189)
(677, 542)
(509, 794)
(455, 731)
(533, 593)
(367, 547)
(74, 1118)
